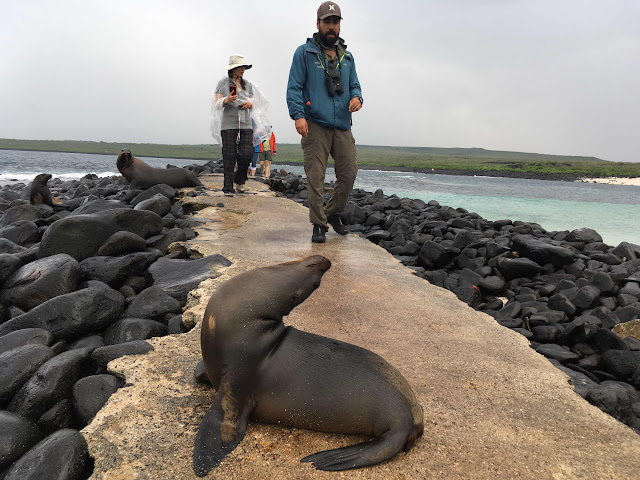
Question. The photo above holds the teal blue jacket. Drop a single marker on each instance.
(307, 95)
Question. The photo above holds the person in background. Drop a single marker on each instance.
(235, 95)
(322, 93)
(254, 161)
(268, 149)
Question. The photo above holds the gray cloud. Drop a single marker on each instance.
(545, 76)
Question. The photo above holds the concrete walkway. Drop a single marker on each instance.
(494, 408)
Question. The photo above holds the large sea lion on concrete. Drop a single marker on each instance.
(267, 372)
(141, 175)
(40, 193)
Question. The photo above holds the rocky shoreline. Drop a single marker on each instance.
(81, 284)
(576, 299)
(91, 280)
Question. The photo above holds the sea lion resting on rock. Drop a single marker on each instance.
(40, 193)
(267, 372)
(141, 175)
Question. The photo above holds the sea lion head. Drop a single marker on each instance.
(42, 179)
(39, 191)
(297, 280)
(124, 162)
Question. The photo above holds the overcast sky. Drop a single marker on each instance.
(544, 76)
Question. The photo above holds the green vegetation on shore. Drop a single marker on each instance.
(413, 158)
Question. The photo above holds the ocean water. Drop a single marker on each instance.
(612, 210)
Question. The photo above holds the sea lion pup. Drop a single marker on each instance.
(270, 373)
(40, 193)
(141, 175)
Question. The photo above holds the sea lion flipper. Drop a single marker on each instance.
(356, 456)
(222, 429)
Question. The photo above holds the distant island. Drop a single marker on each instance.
(451, 161)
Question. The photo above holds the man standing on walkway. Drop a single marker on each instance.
(322, 93)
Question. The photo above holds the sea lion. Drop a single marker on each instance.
(270, 373)
(40, 193)
(141, 175)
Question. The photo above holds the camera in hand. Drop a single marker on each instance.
(232, 90)
(334, 80)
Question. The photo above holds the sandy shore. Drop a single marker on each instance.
(613, 181)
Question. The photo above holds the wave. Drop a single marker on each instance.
(27, 177)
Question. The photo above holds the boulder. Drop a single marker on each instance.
(432, 256)
(98, 205)
(161, 188)
(616, 399)
(22, 233)
(19, 212)
(585, 235)
(59, 416)
(153, 303)
(51, 383)
(130, 329)
(178, 277)
(82, 236)
(27, 336)
(115, 270)
(72, 315)
(19, 434)
(102, 356)
(91, 393)
(158, 204)
(40, 281)
(511, 268)
(620, 363)
(122, 242)
(18, 365)
(541, 252)
(63, 455)
(586, 297)
(9, 263)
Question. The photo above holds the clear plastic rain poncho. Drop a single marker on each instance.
(259, 121)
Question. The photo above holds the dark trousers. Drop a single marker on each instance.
(234, 152)
(316, 148)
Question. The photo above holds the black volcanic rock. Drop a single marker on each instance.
(27, 336)
(130, 329)
(19, 434)
(71, 315)
(82, 236)
(18, 365)
(51, 383)
(110, 352)
(122, 242)
(42, 280)
(115, 270)
(91, 393)
(63, 455)
(542, 252)
(178, 277)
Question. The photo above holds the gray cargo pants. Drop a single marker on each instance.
(316, 147)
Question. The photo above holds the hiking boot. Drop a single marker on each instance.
(319, 234)
(337, 225)
(240, 188)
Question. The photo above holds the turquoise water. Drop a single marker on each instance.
(612, 210)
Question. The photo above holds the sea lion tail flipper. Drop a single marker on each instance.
(222, 429)
(358, 455)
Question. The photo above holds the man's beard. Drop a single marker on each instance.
(327, 42)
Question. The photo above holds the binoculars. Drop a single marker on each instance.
(334, 80)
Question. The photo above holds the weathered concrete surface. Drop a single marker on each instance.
(493, 407)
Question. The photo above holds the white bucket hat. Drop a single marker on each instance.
(237, 61)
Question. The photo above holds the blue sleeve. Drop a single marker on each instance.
(297, 76)
(354, 83)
